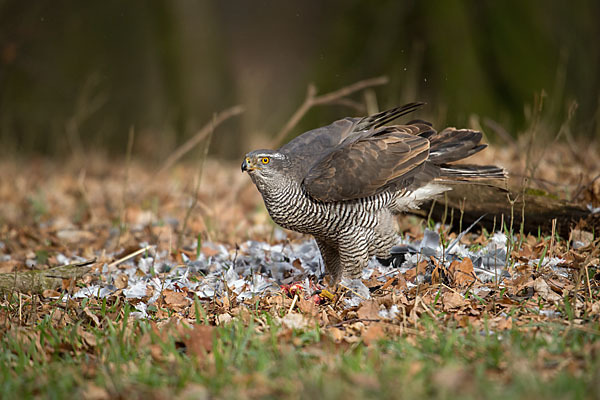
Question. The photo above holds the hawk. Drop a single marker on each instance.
(344, 183)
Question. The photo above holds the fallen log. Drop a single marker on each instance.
(532, 209)
(36, 281)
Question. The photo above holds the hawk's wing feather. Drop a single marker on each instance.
(382, 118)
(310, 147)
(383, 159)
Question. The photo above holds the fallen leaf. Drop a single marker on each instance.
(462, 272)
(209, 251)
(92, 316)
(224, 318)
(373, 333)
(68, 285)
(543, 290)
(298, 264)
(88, 337)
(388, 283)
(336, 334)
(503, 323)
(401, 284)
(453, 300)
(369, 310)
(121, 281)
(294, 321)
(94, 392)
(175, 299)
(156, 352)
(198, 340)
(308, 307)
(50, 293)
(412, 273)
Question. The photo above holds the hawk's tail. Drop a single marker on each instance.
(452, 145)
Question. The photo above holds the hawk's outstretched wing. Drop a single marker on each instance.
(310, 147)
(383, 158)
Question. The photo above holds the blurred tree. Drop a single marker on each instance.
(76, 75)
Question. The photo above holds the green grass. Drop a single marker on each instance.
(135, 360)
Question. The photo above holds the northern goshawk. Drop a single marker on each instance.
(343, 183)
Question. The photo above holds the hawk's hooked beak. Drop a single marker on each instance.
(247, 165)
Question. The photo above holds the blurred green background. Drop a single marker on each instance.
(76, 75)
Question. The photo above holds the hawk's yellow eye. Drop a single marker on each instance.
(265, 160)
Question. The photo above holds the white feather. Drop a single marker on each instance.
(412, 200)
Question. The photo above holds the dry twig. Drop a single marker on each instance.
(199, 136)
(130, 256)
(333, 97)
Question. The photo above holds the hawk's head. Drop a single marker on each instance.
(266, 167)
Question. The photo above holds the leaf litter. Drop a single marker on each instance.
(242, 264)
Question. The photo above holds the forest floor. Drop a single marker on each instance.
(188, 290)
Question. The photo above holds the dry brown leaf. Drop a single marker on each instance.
(295, 321)
(388, 283)
(581, 238)
(369, 310)
(524, 279)
(94, 392)
(224, 318)
(412, 273)
(92, 316)
(336, 334)
(68, 285)
(9, 266)
(526, 252)
(543, 290)
(298, 264)
(89, 338)
(373, 333)
(502, 323)
(121, 281)
(50, 293)
(308, 307)
(401, 284)
(436, 275)
(198, 340)
(453, 300)
(175, 299)
(462, 272)
(209, 251)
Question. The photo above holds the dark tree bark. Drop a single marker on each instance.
(533, 208)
